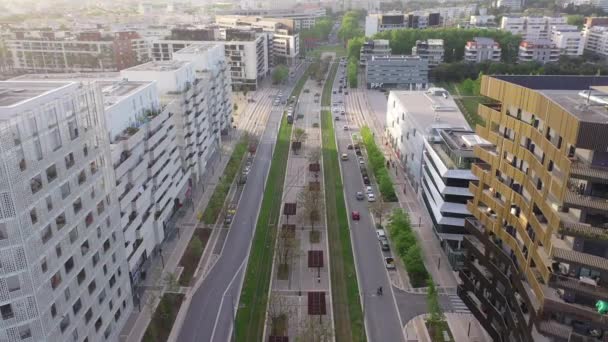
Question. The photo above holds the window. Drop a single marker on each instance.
(46, 234)
(36, 183)
(60, 221)
(33, 216)
(100, 207)
(89, 219)
(98, 324)
(58, 250)
(3, 232)
(92, 286)
(85, 150)
(102, 296)
(51, 173)
(24, 332)
(69, 265)
(82, 275)
(117, 315)
(53, 310)
(13, 283)
(98, 232)
(49, 203)
(106, 245)
(67, 294)
(82, 177)
(38, 149)
(93, 167)
(74, 235)
(84, 248)
(69, 160)
(65, 323)
(73, 129)
(112, 281)
(43, 265)
(77, 306)
(55, 139)
(88, 315)
(95, 259)
(75, 335)
(105, 269)
(7, 311)
(56, 280)
(65, 190)
(77, 206)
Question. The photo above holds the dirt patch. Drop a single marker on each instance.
(193, 253)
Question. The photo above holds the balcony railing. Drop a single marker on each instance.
(587, 171)
(576, 199)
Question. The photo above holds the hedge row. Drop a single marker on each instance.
(378, 165)
(409, 251)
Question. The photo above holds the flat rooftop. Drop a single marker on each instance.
(159, 66)
(571, 93)
(198, 48)
(431, 109)
(14, 92)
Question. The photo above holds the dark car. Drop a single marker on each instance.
(366, 180)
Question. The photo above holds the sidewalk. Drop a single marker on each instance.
(168, 260)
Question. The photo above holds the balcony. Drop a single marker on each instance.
(489, 110)
(579, 258)
(583, 286)
(582, 170)
(583, 230)
(555, 303)
(575, 199)
(124, 155)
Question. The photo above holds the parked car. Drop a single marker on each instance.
(361, 160)
(369, 190)
(389, 262)
(381, 234)
(366, 180)
(384, 245)
(349, 146)
(337, 118)
(360, 196)
(371, 198)
(346, 128)
(355, 216)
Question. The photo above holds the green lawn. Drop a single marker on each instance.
(467, 104)
(216, 202)
(254, 295)
(316, 52)
(162, 320)
(348, 316)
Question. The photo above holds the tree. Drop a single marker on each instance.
(314, 156)
(312, 203)
(299, 136)
(576, 19)
(278, 313)
(286, 251)
(435, 321)
(351, 72)
(377, 209)
(171, 282)
(354, 47)
(195, 247)
(314, 329)
(280, 74)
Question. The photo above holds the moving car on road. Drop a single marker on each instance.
(360, 196)
(344, 156)
(355, 216)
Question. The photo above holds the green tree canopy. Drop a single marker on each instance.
(280, 74)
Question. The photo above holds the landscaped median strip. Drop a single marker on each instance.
(251, 314)
(377, 163)
(348, 316)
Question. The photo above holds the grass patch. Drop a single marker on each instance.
(216, 202)
(254, 294)
(436, 331)
(378, 166)
(162, 321)
(314, 236)
(407, 248)
(193, 253)
(348, 315)
(340, 51)
(466, 101)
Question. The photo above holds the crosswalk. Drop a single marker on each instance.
(458, 305)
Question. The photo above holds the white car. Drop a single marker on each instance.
(389, 263)
(369, 190)
(361, 160)
(381, 234)
(371, 198)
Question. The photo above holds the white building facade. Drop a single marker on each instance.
(64, 269)
(482, 49)
(596, 40)
(431, 50)
(569, 40)
(532, 28)
(540, 50)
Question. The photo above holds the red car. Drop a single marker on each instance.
(355, 215)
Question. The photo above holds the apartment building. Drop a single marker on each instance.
(540, 50)
(446, 174)
(482, 21)
(376, 47)
(482, 49)
(514, 5)
(568, 39)
(89, 51)
(247, 53)
(532, 28)
(304, 17)
(537, 253)
(596, 40)
(64, 268)
(412, 117)
(198, 82)
(397, 71)
(431, 50)
(379, 22)
(285, 41)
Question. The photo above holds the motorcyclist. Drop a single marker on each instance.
(379, 291)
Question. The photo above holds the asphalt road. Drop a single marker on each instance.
(381, 314)
(210, 314)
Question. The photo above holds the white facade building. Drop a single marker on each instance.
(532, 28)
(510, 4)
(482, 49)
(596, 40)
(482, 20)
(411, 118)
(540, 50)
(569, 40)
(431, 50)
(64, 269)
